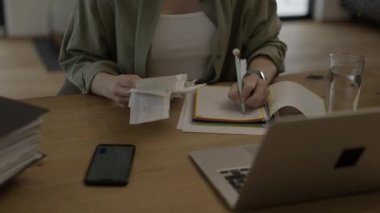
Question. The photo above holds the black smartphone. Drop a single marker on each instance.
(110, 165)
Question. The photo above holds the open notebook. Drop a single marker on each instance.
(212, 104)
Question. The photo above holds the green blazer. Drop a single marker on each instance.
(114, 36)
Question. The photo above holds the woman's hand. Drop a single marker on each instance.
(119, 89)
(255, 91)
(114, 87)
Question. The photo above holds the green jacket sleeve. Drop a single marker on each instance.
(263, 35)
(88, 46)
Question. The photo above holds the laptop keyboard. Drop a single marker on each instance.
(236, 177)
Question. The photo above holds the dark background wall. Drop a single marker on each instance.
(2, 21)
(364, 9)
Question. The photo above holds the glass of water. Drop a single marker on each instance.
(345, 78)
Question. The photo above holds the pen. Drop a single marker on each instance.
(236, 53)
(266, 106)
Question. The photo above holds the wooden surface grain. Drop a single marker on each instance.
(163, 178)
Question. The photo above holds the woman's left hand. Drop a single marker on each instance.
(255, 91)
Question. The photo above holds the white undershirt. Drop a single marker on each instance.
(181, 44)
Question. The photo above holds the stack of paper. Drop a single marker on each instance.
(186, 123)
(209, 110)
(19, 137)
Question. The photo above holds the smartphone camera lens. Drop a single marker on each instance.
(102, 150)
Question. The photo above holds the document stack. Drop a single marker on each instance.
(209, 110)
(19, 137)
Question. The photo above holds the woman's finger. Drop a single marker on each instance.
(233, 94)
(249, 86)
(259, 96)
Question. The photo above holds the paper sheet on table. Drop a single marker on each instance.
(186, 124)
(150, 100)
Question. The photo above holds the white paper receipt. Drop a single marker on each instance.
(150, 100)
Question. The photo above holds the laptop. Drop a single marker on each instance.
(298, 160)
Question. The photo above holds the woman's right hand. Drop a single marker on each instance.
(114, 87)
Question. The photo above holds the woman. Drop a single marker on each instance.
(111, 43)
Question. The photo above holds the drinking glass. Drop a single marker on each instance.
(345, 78)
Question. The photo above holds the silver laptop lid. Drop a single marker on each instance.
(305, 159)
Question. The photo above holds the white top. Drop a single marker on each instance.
(181, 44)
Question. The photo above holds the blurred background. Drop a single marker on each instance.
(31, 32)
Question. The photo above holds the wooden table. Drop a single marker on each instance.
(163, 178)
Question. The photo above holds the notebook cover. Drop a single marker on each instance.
(16, 114)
